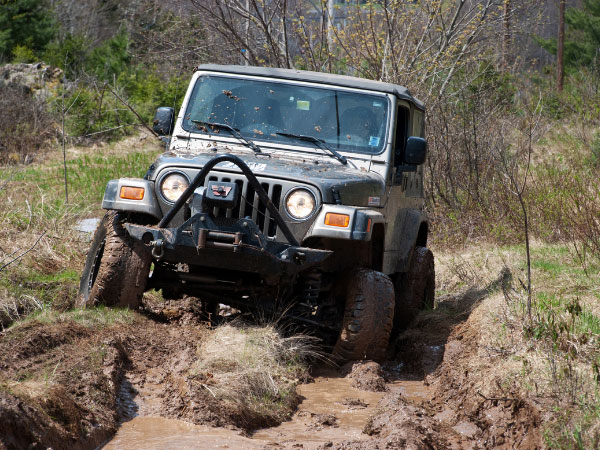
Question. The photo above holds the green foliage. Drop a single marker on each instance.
(582, 35)
(111, 58)
(23, 54)
(95, 111)
(27, 23)
(70, 54)
(77, 57)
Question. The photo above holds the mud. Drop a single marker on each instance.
(331, 410)
(365, 375)
(63, 385)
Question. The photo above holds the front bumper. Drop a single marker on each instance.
(204, 240)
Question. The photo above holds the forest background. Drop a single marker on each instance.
(513, 130)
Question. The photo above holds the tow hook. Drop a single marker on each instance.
(158, 250)
(299, 257)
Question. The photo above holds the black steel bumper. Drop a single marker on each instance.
(239, 246)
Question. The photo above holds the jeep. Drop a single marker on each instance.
(281, 193)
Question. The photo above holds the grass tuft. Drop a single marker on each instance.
(254, 371)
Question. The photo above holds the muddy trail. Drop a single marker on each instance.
(129, 385)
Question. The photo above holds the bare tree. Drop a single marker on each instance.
(259, 27)
(515, 163)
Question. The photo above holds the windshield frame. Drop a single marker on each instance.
(281, 145)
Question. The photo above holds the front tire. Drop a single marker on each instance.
(116, 268)
(368, 317)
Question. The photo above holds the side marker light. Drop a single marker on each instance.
(132, 193)
(337, 220)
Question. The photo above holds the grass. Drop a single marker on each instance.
(253, 371)
(99, 317)
(32, 204)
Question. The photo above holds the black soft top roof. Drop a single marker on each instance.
(317, 77)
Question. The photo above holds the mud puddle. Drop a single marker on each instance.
(331, 410)
(145, 433)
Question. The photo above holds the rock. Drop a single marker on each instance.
(37, 78)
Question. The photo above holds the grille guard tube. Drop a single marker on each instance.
(262, 195)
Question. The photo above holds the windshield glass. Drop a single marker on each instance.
(346, 121)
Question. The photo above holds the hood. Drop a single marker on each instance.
(337, 182)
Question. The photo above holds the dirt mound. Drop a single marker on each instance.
(365, 375)
(496, 419)
(62, 395)
(445, 348)
(36, 338)
(400, 424)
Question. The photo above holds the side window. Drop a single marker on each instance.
(402, 121)
(418, 123)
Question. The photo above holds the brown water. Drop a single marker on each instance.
(331, 410)
(145, 433)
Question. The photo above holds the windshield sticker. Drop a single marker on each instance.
(373, 141)
(303, 105)
(254, 167)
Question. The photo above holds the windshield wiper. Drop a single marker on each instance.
(235, 132)
(320, 143)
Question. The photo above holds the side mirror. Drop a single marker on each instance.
(416, 151)
(164, 121)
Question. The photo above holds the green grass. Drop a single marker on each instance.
(58, 277)
(100, 317)
(43, 186)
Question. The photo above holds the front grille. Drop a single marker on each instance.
(249, 204)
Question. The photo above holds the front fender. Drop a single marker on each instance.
(360, 224)
(147, 205)
(403, 241)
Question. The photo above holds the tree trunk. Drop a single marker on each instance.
(506, 38)
(560, 71)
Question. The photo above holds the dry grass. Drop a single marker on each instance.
(34, 216)
(552, 359)
(254, 371)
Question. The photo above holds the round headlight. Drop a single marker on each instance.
(300, 204)
(172, 186)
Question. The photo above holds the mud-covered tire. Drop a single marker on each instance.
(368, 317)
(415, 289)
(116, 268)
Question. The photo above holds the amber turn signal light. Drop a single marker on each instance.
(337, 220)
(132, 193)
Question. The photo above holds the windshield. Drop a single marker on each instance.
(344, 120)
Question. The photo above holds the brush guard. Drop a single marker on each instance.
(201, 240)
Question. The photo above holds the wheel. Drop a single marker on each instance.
(415, 289)
(116, 268)
(368, 317)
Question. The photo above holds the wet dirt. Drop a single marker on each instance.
(331, 411)
(127, 386)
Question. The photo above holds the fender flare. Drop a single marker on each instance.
(413, 232)
(148, 204)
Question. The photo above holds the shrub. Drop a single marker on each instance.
(26, 126)
(23, 54)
